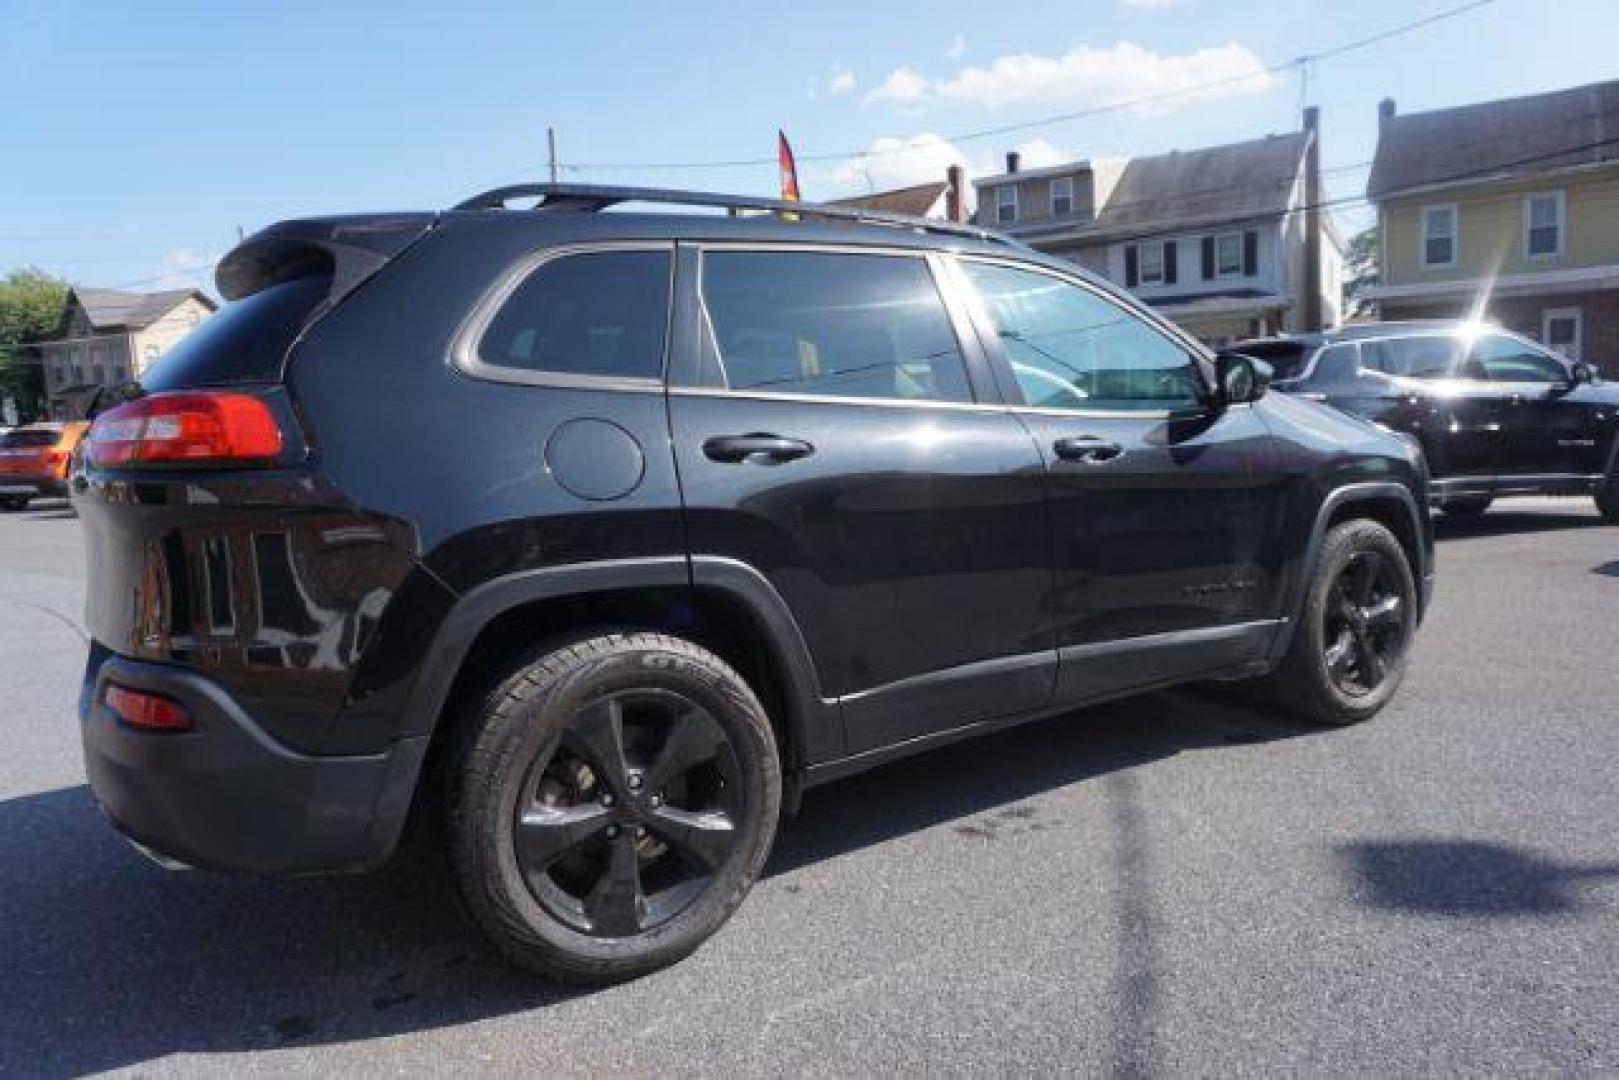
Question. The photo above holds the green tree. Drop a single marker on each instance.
(1360, 262)
(30, 309)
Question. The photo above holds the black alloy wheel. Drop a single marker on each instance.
(609, 804)
(627, 820)
(1366, 623)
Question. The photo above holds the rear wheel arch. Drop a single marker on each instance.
(730, 610)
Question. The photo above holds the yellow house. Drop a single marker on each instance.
(1506, 210)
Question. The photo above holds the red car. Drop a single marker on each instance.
(35, 461)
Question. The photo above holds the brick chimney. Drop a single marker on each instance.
(1310, 312)
(955, 201)
(1013, 160)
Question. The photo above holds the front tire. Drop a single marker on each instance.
(14, 503)
(614, 801)
(1348, 653)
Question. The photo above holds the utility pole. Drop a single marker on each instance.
(551, 145)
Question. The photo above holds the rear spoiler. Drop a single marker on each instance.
(351, 249)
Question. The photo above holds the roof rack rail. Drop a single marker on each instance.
(590, 198)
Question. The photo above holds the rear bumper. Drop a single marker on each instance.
(226, 795)
(31, 485)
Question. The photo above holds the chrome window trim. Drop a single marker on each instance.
(929, 257)
(464, 346)
(833, 399)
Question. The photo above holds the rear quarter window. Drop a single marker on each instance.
(245, 342)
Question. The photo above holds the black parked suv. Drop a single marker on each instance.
(1496, 413)
(596, 537)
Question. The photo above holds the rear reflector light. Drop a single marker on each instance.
(212, 427)
(149, 712)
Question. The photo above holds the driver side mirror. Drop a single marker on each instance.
(1581, 372)
(1240, 378)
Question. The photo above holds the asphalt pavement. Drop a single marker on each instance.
(1175, 885)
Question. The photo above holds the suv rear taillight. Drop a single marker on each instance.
(198, 427)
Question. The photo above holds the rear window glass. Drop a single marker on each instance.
(599, 314)
(244, 342)
(836, 325)
(17, 440)
(1286, 358)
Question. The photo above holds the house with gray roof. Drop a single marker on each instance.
(1505, 210)
(1228, 241)
(108, 336)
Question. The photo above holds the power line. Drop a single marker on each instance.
(1081, 114)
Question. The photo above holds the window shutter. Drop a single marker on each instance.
(1208, 258)
(1131, 275)
(1250, 253)
(1169, 263)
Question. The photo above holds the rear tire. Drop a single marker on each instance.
(1348, 653)
(1466, 508)
(612, 802)
(13, 503)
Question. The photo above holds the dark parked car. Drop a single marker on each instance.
(1496, 413)
(597, 537)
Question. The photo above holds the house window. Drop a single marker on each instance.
(78, 374)
(1228, 254)
(1062, 196)
(1006, 204)
(98, 375)
(1560, 331)
(1150, 263)
(1438, 236)
(1543, 225)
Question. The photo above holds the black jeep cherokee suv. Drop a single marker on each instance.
(1496, 413)
(596, 537)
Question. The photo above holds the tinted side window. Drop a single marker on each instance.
(1416, 358)
(1072, 349)
(1499, 358)
(245, 342)
(600, 313)
(842, 325)
(1337, 366)
(1286, 358)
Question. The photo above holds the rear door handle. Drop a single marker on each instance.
(1090, 449)
(758, 446)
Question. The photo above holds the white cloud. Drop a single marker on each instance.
(957, 49)
(1149, 5)
(904, 86)
(185, 268)
(893, 163)
(842, 80)
(1036, 154)
(1110, 76)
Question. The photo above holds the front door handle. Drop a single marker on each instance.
(1088, 448)
(755, 446)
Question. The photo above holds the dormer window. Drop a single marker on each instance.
(1006, 204)
(1062, 196)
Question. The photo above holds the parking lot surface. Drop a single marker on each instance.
(1177, 884)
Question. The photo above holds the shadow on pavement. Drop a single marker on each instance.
(1610, 569)
(111, 962)
(1467, 879)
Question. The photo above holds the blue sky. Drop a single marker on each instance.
(137, 137)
